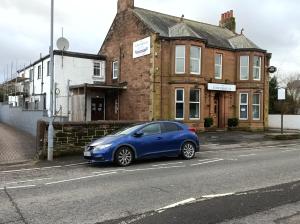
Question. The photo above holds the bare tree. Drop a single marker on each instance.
(292, 84)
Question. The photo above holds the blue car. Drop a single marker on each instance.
(148, 140)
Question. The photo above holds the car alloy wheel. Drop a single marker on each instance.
(188, 150)
(124, 156)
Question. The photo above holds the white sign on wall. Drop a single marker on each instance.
(281, 94)
(221, 87)
(141, 47)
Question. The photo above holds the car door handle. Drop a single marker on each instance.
(159, 138)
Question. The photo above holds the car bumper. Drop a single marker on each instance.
(102, 156)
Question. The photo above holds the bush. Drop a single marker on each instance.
(233, 122)
(208, 122)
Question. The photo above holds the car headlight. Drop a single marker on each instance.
(101, 147)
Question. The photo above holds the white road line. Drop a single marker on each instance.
(202, 160)
(176, 204)
(107, 171)
(154, 168)
(43, 168)
(247, 155)
(79, 178)
(166, 164)
(217, 195)
(213, 161)
(25, 181)
(18, 187)
(290, 150)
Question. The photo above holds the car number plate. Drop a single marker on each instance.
(87, 154)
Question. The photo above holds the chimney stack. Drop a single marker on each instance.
(124, 5)
(228, 21)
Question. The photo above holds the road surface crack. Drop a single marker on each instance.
(15, 206)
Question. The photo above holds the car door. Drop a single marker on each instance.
(173, 136)
(150, 144)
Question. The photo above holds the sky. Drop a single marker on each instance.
(25, 26)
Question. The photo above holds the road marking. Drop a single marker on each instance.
(43, 168)
(213, 161)
(217, 195)
(18, 187)
(107, 171)
(154, 168)
(290, 150)
(176, 204)
(79, 178)
(166, 164)
(25, 181)
(247, 155)
(202, 160)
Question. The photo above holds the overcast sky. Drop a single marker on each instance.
(273, 25)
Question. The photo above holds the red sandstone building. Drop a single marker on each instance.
(172, 68)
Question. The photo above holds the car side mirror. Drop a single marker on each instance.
(138, 134)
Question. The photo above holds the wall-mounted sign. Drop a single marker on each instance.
(272, 69)
(141, 47)
(281, 94)
(221, 87)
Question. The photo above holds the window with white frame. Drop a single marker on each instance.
(39, 72)
(98, 70)
(256, 107)
(243, 106)
(179, 104)
(195, 60)
(31, 74)
(180, 59)
(218, 66)
(195, 104)
(115, 70)
(244, 67)
(256, 67)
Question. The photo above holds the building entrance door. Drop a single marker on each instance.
(218, 110)
(97, 109)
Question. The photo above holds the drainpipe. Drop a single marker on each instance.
(68, 100)
(85, 102)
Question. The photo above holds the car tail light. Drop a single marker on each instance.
(192, 130)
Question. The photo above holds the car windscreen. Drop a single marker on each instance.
(126, 130)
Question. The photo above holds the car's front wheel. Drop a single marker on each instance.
(188, 150)
(124, 156)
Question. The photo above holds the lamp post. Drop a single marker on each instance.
(50, 112)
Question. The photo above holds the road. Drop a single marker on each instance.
(81, 193)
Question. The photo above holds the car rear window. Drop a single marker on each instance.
(170, 127)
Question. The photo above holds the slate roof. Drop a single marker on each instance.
(173, 27)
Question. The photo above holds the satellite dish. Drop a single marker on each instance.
(62, 44)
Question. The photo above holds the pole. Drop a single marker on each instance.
(50, 129)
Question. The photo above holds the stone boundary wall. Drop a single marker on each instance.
(70, 138)
(289, 121)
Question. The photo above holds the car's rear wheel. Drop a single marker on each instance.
(188, 150)
(124, 156)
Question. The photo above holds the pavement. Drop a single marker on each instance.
(15, 146)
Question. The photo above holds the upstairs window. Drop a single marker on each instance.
(243, 106)
(256, 107)
(244, 68)
(39, 72)
(218, 66)
(97, 69)
(115, 70)
(31, 74)
(256, 68)
(179, 104)
(195, 60)
(180, 59)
